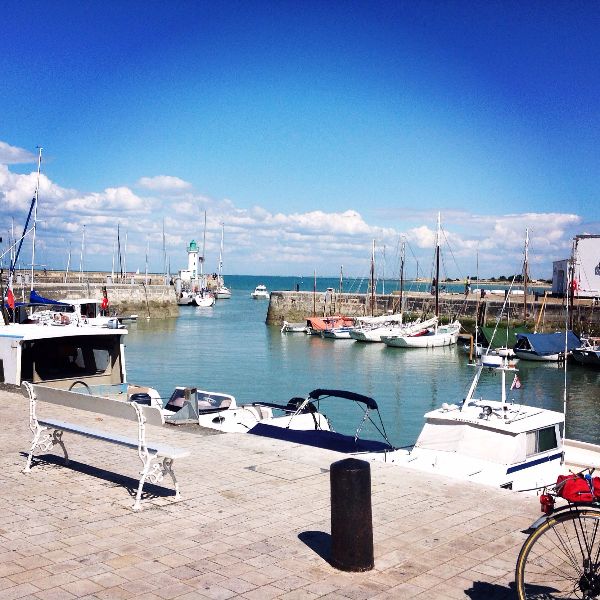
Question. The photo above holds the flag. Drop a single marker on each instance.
(516, 384)
(10, 299)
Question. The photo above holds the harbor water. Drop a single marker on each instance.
(228, 348)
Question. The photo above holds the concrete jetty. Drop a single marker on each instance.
(253, 523)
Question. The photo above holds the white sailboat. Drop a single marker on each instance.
(203, 298)
(222, 292)
(436, 335)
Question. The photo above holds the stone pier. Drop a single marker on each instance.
(295, 307)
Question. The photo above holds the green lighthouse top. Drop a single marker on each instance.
(193, 247)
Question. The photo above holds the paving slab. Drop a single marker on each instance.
(253, 522)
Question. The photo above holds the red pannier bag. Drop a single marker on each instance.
(576, 489)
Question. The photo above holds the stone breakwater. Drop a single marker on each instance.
(295, 307)
(154, 301)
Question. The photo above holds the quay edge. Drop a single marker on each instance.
(153, 301)
(295, 307)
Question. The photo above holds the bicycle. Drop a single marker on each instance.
(560, 558)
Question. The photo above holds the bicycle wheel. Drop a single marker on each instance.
(561, 559)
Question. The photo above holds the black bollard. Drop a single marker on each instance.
(351, 517)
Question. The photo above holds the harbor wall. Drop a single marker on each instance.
(295, 307)
(154, 301)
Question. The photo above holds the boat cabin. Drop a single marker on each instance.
(61, 355)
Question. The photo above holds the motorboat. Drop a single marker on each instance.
(82, 311)
(186, 298)
(495, 442)
(431, 337)
(337, 333)
(588, 353)
(545, 347)
(287, 327)
(62, 356)
(260, 292)
(219, 411)
(222, 293)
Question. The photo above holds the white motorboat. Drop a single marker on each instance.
(260, 292)
(222, 293)
(287, 327)
(221, 412)
(497, 442)
(337, 333)
(441, 335)
(186, 298)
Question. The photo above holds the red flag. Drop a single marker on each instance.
(516, 384)
(10, 299)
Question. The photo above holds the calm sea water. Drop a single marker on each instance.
(229, 348)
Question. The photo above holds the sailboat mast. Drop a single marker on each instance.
(203, 251)
(373, 280)
(437, 268)
(525, 267)
(221, 251)
(341, 278)
(68, 264)
(402, 255)
(147, 251)
(81, 256)
(37, 192)
(164, 251)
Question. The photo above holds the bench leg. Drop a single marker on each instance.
(45, 441)
(155, 473)
(168, 468)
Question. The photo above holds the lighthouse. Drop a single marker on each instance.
(191, 273)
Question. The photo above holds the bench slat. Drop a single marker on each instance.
(159, 449)
(97, 404)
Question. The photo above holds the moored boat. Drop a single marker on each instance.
(545, 347)
(260, 292)
(588, 353)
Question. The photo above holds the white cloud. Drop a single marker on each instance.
(121, 200)
(11, 155)
(257, 239)
(164, 183)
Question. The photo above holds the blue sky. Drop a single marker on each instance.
(309, 128)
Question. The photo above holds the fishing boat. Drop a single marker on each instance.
(588, 353)
(215, 410)
(315, 325)
(260, 292)
(545, 347)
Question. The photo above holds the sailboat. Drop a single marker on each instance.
(222, 292)
(203, 298)
(436, 335)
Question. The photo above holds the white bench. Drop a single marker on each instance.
(157, 459)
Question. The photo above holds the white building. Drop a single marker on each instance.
(586, 268)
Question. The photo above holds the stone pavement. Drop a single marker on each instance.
(253, 523)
